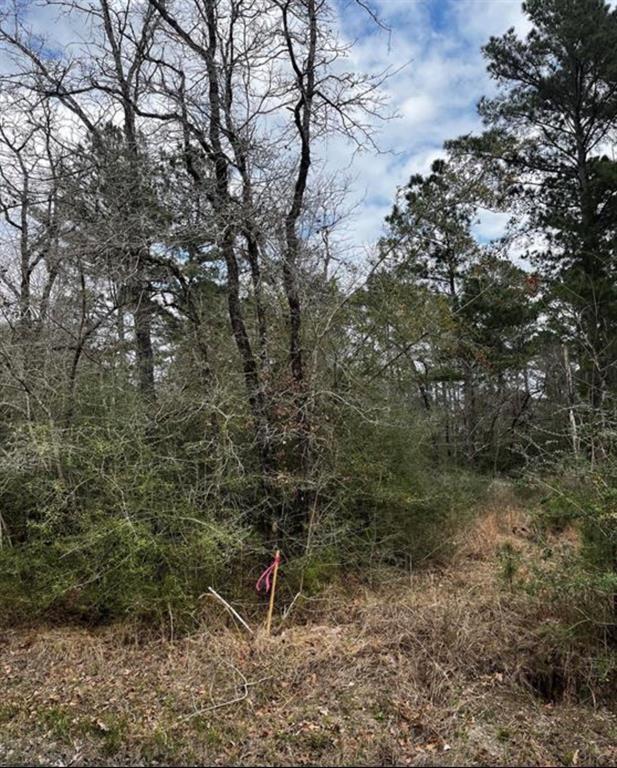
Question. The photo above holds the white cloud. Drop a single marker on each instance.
(490, 225)
(477, 20)
(418, 110)
(437, 42)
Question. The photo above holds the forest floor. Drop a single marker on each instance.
(445, 667)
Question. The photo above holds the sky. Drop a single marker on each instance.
(434, 49)
(438, 44)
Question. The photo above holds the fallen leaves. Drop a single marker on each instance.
(400, 677)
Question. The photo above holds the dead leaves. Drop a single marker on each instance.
(365, 691)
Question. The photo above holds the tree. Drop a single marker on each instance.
(499, 314)
(430, 228)
(548, 132)
(112, 65)
(480, 343)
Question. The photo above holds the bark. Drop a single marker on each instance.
(303, 115)
(142, 319)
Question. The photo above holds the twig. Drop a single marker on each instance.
(233, 611)
(289, 608)
(236, 700)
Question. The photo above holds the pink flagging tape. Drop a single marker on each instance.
(264, 582)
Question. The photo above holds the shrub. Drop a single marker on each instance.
(399, 507)
(109, 525)
(582, 577)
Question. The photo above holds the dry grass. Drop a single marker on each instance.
(432, 670)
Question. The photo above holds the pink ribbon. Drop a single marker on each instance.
(264, 581)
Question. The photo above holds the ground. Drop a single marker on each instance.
(445, 667)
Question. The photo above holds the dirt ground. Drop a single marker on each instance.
(447, 667)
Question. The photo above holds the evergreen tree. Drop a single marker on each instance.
(548, 133)
(430, 229)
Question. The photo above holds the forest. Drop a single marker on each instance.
(202, 365)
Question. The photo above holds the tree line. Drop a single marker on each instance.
(194, 369)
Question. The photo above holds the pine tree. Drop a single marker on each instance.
(548, 134)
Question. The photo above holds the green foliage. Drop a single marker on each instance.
(58, 721)
(120, 515)
(582, 576)
(500, 315)
(430, 228)
(403, 510)
(107, 525)
(510, 561)
(544, 147)
(313, 571)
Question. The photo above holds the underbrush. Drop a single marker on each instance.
(405, 509)
(129, 518)
(576, 526)
(452, 665)
(114, 521)
(550, 566)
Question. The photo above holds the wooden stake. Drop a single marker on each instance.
(277, 558)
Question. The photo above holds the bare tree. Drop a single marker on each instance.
(106, 75)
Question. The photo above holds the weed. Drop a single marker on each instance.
(59, 721)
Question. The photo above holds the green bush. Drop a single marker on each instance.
(109, 525)
(582, 578)
(400, 507)
(114, 567)
(120, 515)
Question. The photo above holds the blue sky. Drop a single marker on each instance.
(437, 43)
(435, 95)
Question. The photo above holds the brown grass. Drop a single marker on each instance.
(435, 669)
